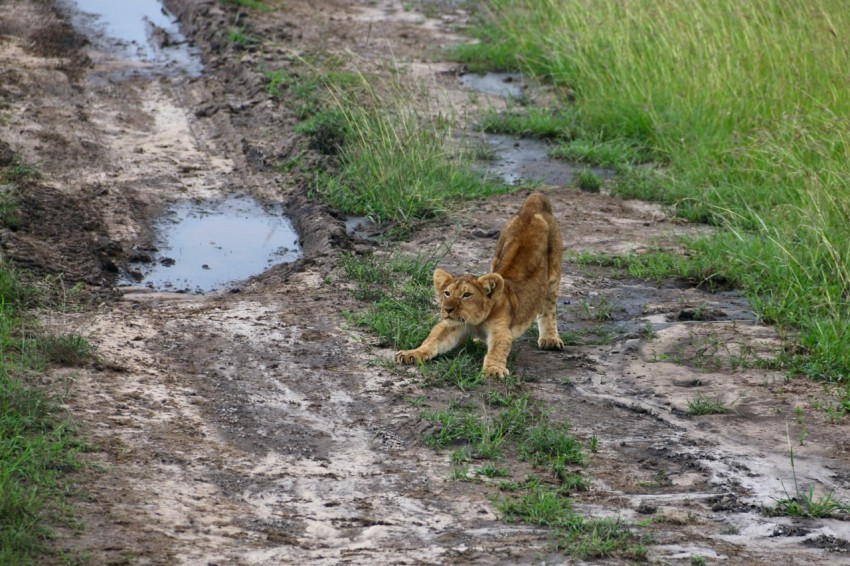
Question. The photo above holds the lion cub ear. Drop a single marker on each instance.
(441, 279)
(493, 284)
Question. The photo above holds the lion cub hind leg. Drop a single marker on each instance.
(442, 338)
(547, 328)
(547, 321)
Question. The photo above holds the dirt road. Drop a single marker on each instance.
(251, 426)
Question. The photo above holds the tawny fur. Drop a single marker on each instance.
(500, 306)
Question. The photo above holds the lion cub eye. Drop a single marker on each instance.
(447, 293)
(466, 295)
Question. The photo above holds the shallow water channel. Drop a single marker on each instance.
(513, 159)
(199, 246)
(204, 247)
(139, 30)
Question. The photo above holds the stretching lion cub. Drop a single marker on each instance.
(500, 306)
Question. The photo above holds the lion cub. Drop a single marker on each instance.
(500, 306)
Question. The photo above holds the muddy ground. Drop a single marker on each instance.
(252, 426)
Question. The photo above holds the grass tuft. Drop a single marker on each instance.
(398, 163)
(699, 405)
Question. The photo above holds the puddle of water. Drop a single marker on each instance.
(518, 159)
(142, 30)
(208, 246)
(499, 84)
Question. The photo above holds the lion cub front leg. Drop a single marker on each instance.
(442, 338)
(499, 342)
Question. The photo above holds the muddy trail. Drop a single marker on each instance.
(251, 424)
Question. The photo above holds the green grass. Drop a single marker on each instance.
(399, 165)
(740, 105)
(531, 122)
(807, 505)
(699, 405)
(397, 161)
(588, 181)
(401, 294)
(37, 446)
(250, 4)
(804, 503)
(576, 535)
(240, 37)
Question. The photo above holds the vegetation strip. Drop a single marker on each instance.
(38, 447)
(395, 163)
(714, 108)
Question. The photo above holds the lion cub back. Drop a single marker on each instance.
(528, 257)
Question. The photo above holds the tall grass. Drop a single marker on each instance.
(399, 161)
(743, 105)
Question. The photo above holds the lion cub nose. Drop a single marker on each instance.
(449, 310)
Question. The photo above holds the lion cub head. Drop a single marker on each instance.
(466, 299)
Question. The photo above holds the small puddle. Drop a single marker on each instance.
(499, 84)
(143, 31)
(205, 247)
(519, 159)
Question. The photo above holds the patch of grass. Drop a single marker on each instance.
(576, 535)
(701, 270)
(69, 350)
(484, 435)
(240, 37)
(738, 136)
(12, 176)
(588, 181)
(460, 368)
(506, 485)
(699, 405)
(326, 130)
(557, 450)
(492, 471)
(304, 90)
(402, 311)
(37, 447)
(805, 503)
(599, 308)
(250, 4)
(9, 206)
(606, 153)
(399, 163)
(532, 122)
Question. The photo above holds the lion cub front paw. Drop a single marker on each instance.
(410, 357)
(550, 343)
(496, 371)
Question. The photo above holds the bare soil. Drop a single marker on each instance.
(254, 427)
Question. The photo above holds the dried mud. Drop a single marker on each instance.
(253, 427)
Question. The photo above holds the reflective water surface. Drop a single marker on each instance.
(204, 247)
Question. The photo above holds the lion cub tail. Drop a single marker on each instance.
(536, 203)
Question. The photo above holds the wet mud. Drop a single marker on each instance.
(256, 425)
